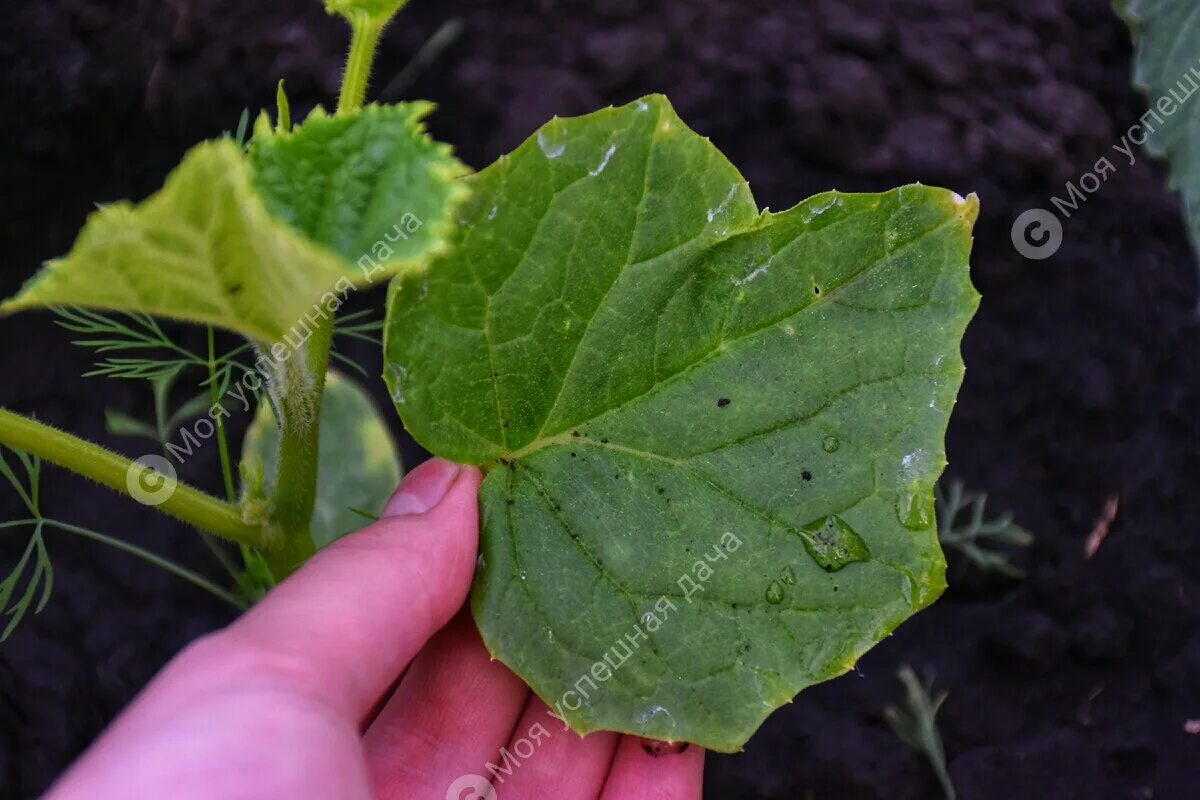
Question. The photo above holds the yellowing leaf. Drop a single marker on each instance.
(253, 243)
(204, 249)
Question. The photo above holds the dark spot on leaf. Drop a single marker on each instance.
(235, 288)
(806, 475)
(604, 441)
(661, 490)
(723, 401)
(574, 433)
(816, 289)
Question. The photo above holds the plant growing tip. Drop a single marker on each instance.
(284, 122)
(367, 19)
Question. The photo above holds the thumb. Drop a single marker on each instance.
(351, 618)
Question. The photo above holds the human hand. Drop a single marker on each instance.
(308, 696)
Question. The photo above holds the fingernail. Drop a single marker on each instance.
(423, 488)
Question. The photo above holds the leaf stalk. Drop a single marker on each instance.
(120, 474)
(363, 43)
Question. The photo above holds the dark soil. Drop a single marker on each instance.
(1084, 379)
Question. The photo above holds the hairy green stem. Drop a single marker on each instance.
(122, 475)
(299, 405)
(303, 376)
(358, 64)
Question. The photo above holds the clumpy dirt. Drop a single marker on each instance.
(1083, 378)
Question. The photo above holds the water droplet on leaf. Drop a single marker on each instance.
(552, 141)
(914, 506)
(788, 576)
(775, 593)
(831, 444)
(833, 543)
(657, 719)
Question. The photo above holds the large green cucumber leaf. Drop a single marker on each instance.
(204, 248)
(358, 467)
(372, 186)
(1167, 65)
(653, 373)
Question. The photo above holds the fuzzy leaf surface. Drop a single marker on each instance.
(646, 366)
(371, 183)
(359, 465)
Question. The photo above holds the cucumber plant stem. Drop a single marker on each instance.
(365, 39)
(303, 388)
(112, 470)
(303, 377)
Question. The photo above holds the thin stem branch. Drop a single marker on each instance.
(365, 39)
(226, 470)
(156, 560)
(222, 444)
(120, 474)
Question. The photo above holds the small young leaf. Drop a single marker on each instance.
(915, 723)
(203, 249)
(377, 11)
(359, 466)
(710, 434)
(284, 108)
(972, 534)
(41, 576)
(372, 186)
